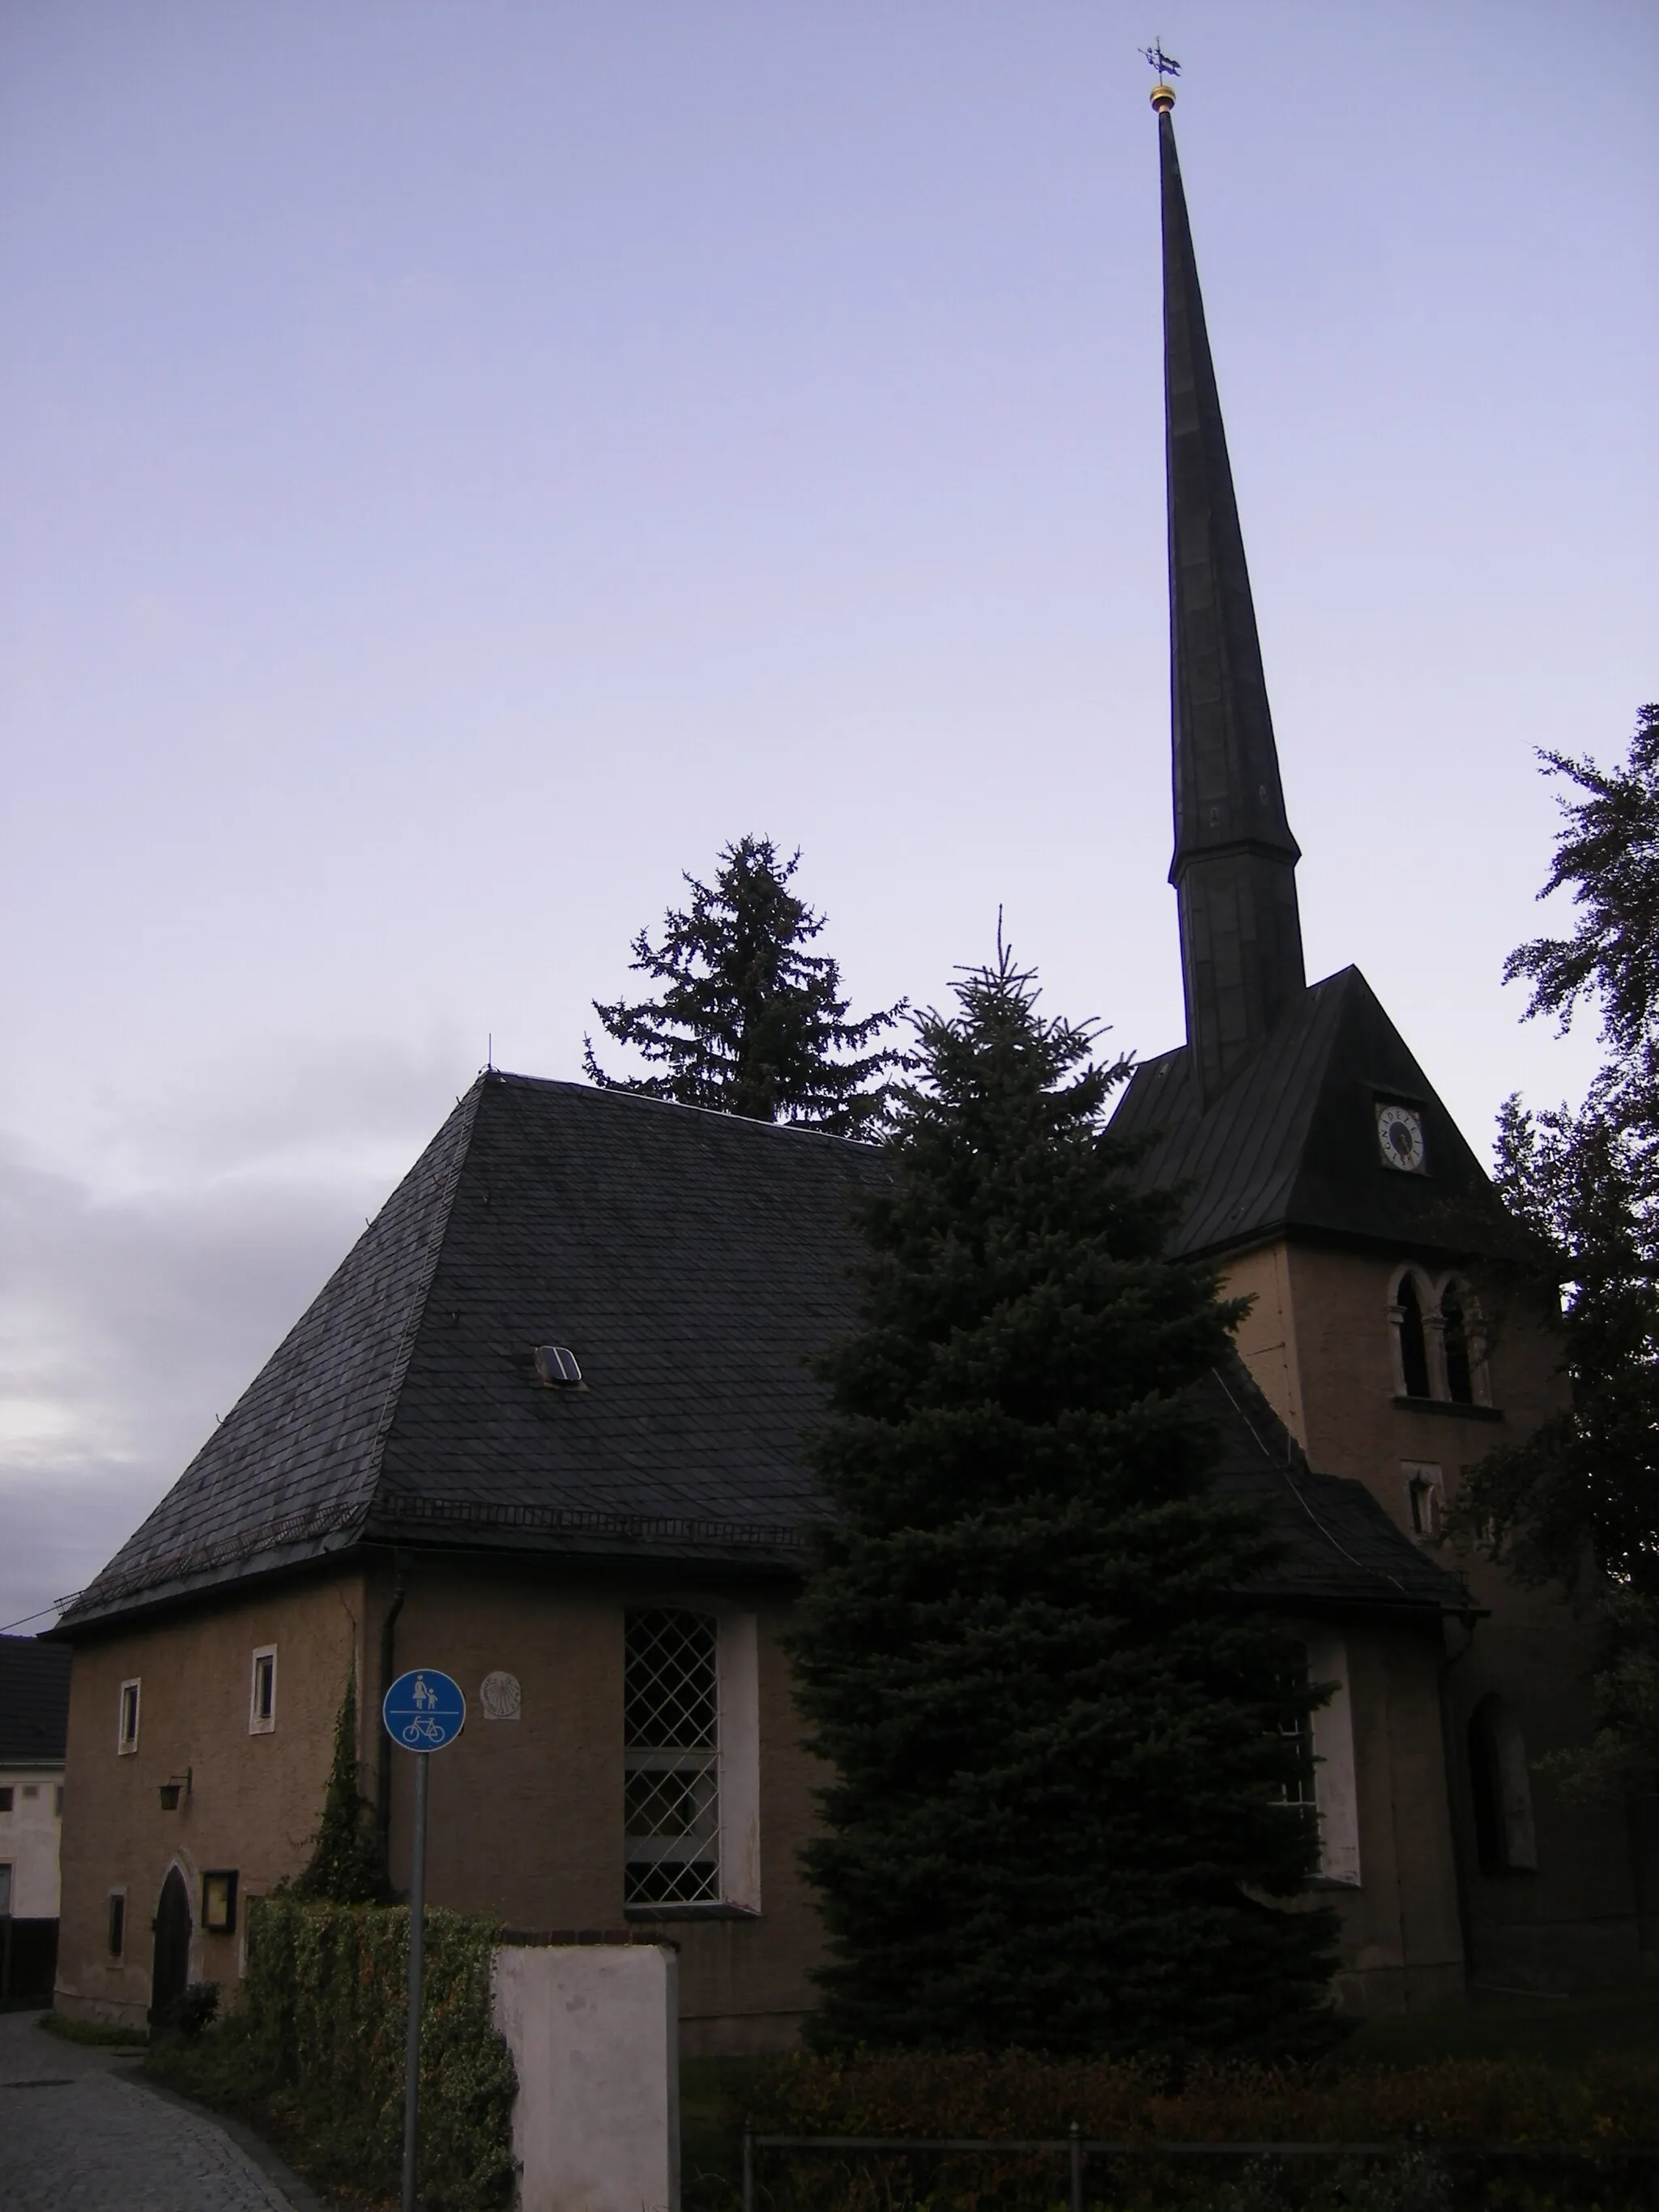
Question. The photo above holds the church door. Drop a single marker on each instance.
(170, 1971)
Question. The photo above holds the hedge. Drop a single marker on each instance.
(1422, 2110)
(314, 2043)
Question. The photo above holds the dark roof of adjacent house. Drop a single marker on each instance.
(693, 1261)
(1291, 1144)
(35, 1689)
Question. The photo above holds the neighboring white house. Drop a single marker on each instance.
(34, 1680)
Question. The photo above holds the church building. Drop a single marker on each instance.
(541, 1428)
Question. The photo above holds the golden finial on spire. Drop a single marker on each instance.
(1164, 97)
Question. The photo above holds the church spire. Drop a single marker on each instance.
(1234, 869)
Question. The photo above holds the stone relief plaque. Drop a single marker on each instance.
(499, 1697)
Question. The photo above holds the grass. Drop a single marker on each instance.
(101, 2033)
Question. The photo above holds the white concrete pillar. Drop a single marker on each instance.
(594, 2033)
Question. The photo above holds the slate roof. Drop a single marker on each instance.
(693, 1261)
(1337, 1548)
(1290, 1143)
(35, 1689)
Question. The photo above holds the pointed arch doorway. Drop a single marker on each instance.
(169, 1973)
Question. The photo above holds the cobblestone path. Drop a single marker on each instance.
(78, 2134)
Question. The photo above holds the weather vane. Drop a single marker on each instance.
(1156, 58)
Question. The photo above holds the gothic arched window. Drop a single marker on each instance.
(1410, 1338)
(1462, 1343)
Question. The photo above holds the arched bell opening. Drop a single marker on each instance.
(1408, 1304)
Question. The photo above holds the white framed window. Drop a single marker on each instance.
(1336, 1792)
(1500, 1781)
(262, 1692)
(126, 1717)
(690, 1761)
(1426, 1495)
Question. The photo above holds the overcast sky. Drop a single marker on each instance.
(462, 463)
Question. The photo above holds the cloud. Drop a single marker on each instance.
(136, 1307)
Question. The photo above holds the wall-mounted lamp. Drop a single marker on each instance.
(171, 1787)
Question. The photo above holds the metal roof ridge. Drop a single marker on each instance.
(675, 1106)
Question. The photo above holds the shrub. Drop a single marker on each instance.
(1450, 2106)
(315, 2044)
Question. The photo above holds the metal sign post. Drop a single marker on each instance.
(424, 1712)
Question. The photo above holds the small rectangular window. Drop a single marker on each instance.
(126, 1726)
(1424, 1495)
(5, 1799)
(31, 1789)
(58, 1801)
(117, 1934)
(5, 1887)
(262, 1692)
(219, 1902)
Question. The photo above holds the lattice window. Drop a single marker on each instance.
(1300, 1796)
(671, 1760)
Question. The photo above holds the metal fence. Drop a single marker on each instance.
(1077, 2150)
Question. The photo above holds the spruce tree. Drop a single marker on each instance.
(748, 1021)
(1061, 1742)
(1577, 1501)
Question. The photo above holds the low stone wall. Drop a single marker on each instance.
(594, 2033)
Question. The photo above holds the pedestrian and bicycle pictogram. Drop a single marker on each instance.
(424, 1710)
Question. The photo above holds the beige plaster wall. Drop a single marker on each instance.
(1317, 1341)
(254, 1799)
(527, 1815)
(1403, 1948)
(29, 1840)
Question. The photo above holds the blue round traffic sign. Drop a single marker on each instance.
(423, 1710)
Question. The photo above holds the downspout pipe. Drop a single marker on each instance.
(400, 1562)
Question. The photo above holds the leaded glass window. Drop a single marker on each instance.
(671, 1759)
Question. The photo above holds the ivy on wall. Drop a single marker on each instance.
(320, 2020)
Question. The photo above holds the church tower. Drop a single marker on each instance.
(1234, 869)
(1325, 1181)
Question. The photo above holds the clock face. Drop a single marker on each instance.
(1400, 1138)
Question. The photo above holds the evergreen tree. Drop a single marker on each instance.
(1061, 1743)
(1577, 1503)
(345, 1865)
(748, 1021)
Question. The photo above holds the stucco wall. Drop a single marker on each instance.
(527, 1815)
(29, 1840)
(254, 1799)
(1402, 1942)
(1317, 1341)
